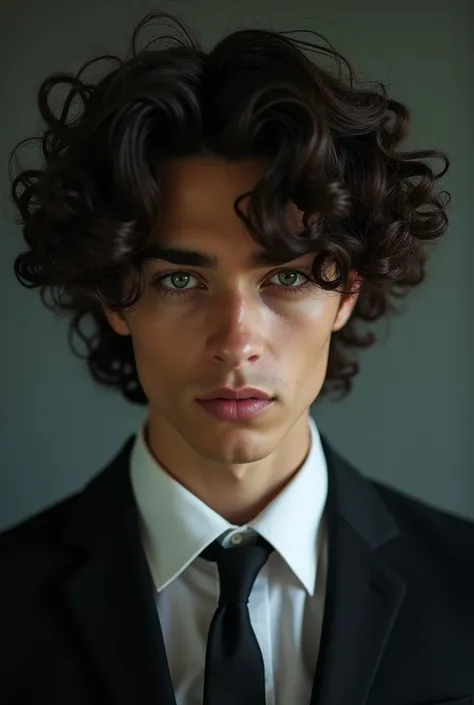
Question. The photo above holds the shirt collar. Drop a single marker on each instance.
(290, 522)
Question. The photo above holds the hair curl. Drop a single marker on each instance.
(332, 146)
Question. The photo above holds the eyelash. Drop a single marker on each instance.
(165, 291)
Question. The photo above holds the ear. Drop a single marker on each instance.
(348, 301)
(117, 321)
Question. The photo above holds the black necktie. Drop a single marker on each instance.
(234, 672)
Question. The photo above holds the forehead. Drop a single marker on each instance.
(201, 183)
(199, 194)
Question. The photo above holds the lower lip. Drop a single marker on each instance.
(238, 410)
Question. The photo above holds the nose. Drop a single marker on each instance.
(236, 336)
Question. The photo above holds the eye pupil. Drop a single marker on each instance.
(180, 280)
(291, 275)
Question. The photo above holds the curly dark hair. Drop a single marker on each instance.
(332, 145)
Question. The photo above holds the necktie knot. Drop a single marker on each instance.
(238, 568)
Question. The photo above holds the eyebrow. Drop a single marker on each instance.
(194, 258)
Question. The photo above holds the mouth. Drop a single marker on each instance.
(245, 409)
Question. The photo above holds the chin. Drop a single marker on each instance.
(236, 447)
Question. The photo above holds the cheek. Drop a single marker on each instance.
(161, 331)
(160, 347)
(304, 344)
(306, 328)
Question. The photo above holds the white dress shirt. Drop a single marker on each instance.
(287, 601)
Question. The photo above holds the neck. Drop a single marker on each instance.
(237, 492)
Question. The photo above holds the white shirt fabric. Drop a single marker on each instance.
(287, 601)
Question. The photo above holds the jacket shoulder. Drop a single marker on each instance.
(45, 528)
(450, 535)
(32, 539)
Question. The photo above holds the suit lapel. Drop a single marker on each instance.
(111, 595)
(363, 594)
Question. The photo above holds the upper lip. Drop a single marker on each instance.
(242, 393)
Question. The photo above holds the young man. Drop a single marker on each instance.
(227, 221)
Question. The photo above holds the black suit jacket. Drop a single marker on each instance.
(78, 623)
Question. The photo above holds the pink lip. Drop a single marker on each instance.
(236, 394)
(235, 409)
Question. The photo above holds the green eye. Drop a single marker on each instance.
(287, 281)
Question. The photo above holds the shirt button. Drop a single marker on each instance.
(236, 539)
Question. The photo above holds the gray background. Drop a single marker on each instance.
(409, 418)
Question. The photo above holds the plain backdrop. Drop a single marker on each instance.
(409, 419)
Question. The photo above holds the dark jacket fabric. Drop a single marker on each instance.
(79, 626)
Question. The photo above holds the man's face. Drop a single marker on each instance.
(232, 325)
